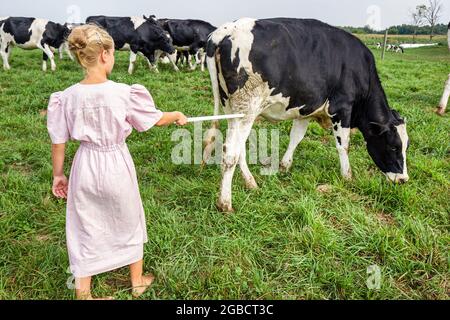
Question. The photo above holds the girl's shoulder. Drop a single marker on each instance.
(107, 87)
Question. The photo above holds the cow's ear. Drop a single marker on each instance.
(145, 17)
(378, 129)
(397, 116)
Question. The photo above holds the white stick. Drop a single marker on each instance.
(213, 118)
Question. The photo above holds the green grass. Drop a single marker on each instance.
(286, 240)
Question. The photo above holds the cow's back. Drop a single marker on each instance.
(303, 59)
(121, 29)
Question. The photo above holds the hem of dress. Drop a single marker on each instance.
(137, 256)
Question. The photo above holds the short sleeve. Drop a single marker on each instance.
(56, 120)
(142, 113)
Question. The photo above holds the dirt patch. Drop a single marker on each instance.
(324, 188)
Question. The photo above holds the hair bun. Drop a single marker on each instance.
(78, 40)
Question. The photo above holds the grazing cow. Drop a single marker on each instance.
(446, 94)
(300, 70)
(191, 36)
(31, 33)
(137, 35)
(379, 45)
(398, 49)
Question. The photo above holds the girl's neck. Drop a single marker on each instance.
(94, 78)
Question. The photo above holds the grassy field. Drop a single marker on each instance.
(288, 240)
(399, 39)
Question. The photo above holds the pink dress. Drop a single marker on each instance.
(105, 222)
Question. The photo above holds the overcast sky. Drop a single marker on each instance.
(377, 13)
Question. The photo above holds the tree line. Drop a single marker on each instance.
(425, 19)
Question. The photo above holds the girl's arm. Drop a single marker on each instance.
(60, 182)
(172, 117)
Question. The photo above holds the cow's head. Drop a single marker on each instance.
(57, 34)
(152, 37)
(387, 145)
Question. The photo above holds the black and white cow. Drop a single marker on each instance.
(191, 36)
(31, 33)
(137, 35)
(300, 70)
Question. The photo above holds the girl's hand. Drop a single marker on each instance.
(182, 119)
(60, 186)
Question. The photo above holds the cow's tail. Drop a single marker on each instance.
(211, 135)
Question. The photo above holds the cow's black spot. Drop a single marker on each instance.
(339, 140)
(19, 28)
(234, 78)
(335, 127)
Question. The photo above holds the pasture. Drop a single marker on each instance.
(307, 234)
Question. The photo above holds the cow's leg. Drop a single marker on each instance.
(250, 181)
(5, 50)
(61, 51)
(151, 66)
(154, 66)
(173, 60)
(445, 97)
(192, 67)
(341, 130)
(133, 57)
(44, 61)
(50, 55)
(202, 54)
(298, 132)
(65, 48)
(237, 134)
(193, 52)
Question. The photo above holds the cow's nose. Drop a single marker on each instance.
(403, 180)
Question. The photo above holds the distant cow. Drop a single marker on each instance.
(300, 70)
(137, 35)
(31, 33)
(189, 35)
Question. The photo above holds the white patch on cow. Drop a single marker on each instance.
(37, 29)
(403, 177)
(342, 136)
(240, 33)
(125, 47)
(137, 21)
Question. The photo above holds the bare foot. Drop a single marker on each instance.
(139, 289)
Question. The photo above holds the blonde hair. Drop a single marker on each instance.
(87, 42)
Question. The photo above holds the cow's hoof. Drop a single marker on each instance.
(348, 177)
(440, 111)
(251, 184)
(225, 207)
(285, 167)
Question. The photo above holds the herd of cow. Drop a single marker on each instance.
(147, 36)
(280, 69)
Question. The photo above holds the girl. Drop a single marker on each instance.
(105, 222)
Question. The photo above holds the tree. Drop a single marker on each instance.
(433, 14)
(418, 19)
